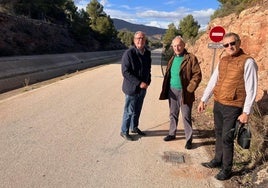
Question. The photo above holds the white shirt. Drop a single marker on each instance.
(251, 81)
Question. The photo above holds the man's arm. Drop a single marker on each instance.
(209, 90)
(251, 83)
(211, 84)
(127, 69)
(196, 76)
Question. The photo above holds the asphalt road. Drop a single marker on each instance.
(66, 134)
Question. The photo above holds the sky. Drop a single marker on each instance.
(158, 13)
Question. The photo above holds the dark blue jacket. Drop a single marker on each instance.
(136, 68)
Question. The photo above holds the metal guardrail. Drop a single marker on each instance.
(16, 72)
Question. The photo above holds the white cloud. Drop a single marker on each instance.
(81, 4)
(121, 15)
(164, 18)
(105, 3)
(140, 15)
(159, 24)
(126, 7)
(170, 2)
(157, 14)
(203, 13)
(77, 1)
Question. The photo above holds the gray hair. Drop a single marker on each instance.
(139, 32)
(231, 34)
(177, 37)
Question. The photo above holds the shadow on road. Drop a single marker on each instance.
(198, 134)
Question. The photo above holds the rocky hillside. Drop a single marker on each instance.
(23, 36)
(252, 26)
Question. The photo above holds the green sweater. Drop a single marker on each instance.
(175, 80)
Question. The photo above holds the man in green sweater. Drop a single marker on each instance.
(182, 78)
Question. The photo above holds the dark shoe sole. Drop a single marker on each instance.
(169, 138)
(222, 176)
(210, 165)
(139, 132)
(188, 146)
(126, 137)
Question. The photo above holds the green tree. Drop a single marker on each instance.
(70, 10)
(126, 37)
(171, 32)
(233, 6)
(95, 10)
(79, 25)
(100, 22)
(227, 7)
(189, 27)
(105, 27)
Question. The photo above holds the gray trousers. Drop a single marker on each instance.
(175, 106)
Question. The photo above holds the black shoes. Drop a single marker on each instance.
(169, 138)
(224, 175)
(138, 131)
(188, 144)
(212, 164)
(126, 136)
(173, 137)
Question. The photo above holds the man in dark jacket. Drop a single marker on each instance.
(136, 70)
(182, 77)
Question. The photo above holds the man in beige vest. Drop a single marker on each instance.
(234, 85)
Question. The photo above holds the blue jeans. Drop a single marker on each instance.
(132, 111)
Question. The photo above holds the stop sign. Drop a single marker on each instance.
(216, 33)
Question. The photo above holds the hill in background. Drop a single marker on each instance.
(149, 30)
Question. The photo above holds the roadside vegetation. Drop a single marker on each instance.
(86, 26)
(233, 6)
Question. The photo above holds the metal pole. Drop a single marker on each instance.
(213, 60)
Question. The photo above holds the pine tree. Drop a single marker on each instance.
(189, 27)
(100, 22)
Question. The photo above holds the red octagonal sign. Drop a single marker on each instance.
(216, 33)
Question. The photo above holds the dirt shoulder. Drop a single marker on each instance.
(245, 172)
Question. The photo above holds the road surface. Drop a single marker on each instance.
(66, 135)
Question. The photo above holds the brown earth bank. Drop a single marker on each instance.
(250, 166)
(248, 169)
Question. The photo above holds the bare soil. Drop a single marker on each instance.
(245, 173)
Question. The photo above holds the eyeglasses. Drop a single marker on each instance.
(231, 44)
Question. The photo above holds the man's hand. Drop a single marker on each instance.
(143, 85)
(201, 107)
(243, 118)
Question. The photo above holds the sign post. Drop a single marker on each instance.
(216, 34)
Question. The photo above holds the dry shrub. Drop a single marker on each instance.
(247, 161)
